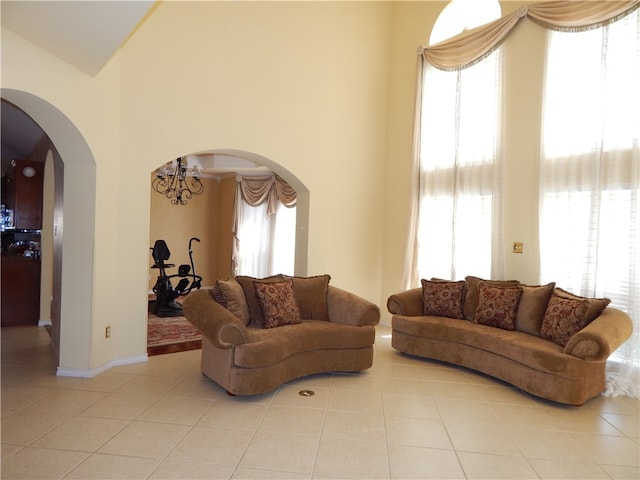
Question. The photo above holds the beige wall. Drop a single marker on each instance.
(322, 89)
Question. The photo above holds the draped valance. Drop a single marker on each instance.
(272, 189)
(473, 45)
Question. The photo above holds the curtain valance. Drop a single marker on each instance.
(472, 46)
(272, 189)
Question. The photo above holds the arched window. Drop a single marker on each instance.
(459, 222)
(461, 15)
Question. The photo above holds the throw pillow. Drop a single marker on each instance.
(442, 298)
(533, 304)
(217, 295)
(563, 318)
(255, 314)
(497, 306)
(278, 303)
(234, 299)
(471, 299)
(596, 305)
(311, 296)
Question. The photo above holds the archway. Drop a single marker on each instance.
(75, 222)
(221, 162)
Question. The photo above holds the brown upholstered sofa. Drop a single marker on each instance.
(247, 355)
(554, 345)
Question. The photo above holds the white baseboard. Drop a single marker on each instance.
(92, 372)
(43, 322)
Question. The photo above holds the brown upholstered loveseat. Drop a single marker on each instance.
(554, 345)
(335, 333)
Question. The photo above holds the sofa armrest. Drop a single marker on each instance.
(408, 302)
(601, 337)
(349, 309)
(215, 322)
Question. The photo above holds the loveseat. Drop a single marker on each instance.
(260, 333)
(541, 339)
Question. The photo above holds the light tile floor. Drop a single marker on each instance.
(404, 418)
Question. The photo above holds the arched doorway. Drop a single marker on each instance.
(221, 163)
(74, 220)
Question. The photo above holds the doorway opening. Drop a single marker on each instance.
(75, 183)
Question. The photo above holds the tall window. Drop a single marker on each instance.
(458, 231)
(459, 217)
(590, 170)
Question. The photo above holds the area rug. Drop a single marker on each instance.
(170, 335)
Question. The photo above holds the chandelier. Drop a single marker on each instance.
(176, 182)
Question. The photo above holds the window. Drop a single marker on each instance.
(590, 170)
(459, 220)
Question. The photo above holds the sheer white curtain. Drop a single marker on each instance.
(264, 240)
(459, 230)
(590, 174)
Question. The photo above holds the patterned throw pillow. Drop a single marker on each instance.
(563, 318)
(278, 303)
(497, 306)
(443, 298)
(234, 299)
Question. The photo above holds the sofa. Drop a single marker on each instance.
(260, 333)
(542, 339)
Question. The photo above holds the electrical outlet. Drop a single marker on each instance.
(518, 247)
(107, 331)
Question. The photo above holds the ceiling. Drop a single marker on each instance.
(85, 34)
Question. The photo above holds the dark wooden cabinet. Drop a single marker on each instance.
(20, 290)
(22, 192)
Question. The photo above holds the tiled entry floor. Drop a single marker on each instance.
(404, 418)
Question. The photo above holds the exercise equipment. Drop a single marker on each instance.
(166, 295)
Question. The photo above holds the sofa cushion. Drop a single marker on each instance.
(234, 299)
(277, 303)
(266, 347)
(246, 282)
(563, 318)
(443, 298)
(533, 304)
(497, 306)
(471, 298)
(596, 305)
(311, 296)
